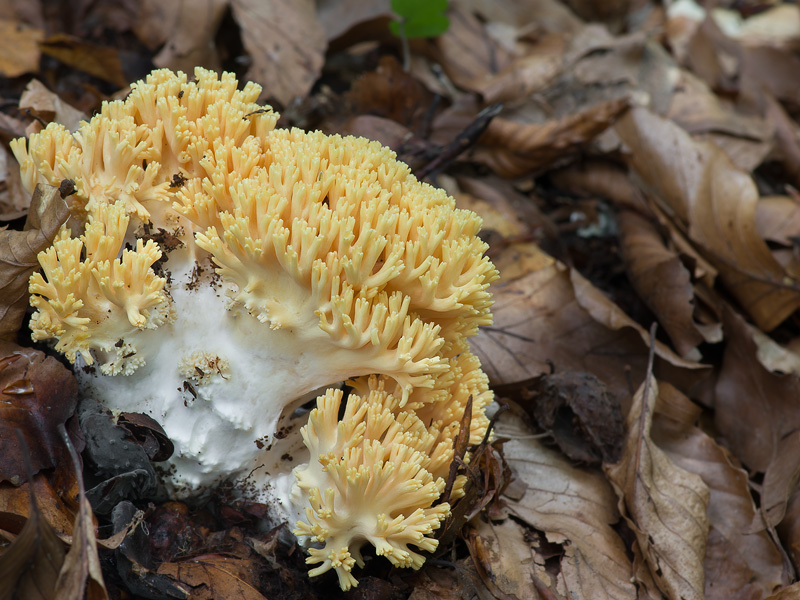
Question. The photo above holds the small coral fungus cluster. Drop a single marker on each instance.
(216, 273)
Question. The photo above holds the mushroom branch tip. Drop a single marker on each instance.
(217, 273)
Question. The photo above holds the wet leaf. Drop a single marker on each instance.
(37, 394)
(662, 503)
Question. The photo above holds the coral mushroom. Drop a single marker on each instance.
(217, 273)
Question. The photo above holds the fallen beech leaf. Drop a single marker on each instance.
(18, 252)
(757, 416)
(742, 561)
(29, 567)
(286, 44)
(19, 52)
(49, 106)
(715, 203)
(553, 314)
(469, 57)
(512, 149)
(791, 592)
(186, 28)
(339, 16)
(663, 504)
(778, 219)
(101, 61)
(599, 178)
(213, 577)
(569, 504)
(37, 394)
(660, 280)
(82, 561)
(526, 74)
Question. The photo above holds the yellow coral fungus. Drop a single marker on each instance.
(216, 272)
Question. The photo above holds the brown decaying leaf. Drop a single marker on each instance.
(339, 16)
(507, 557)
(742, 561)
(19, 52)
(37, 394)
(18, 251)
(574, 507)
(82, 563)
(49, 106)
(29, 567)
(186, 28)
(467, 55)
(511, 148)
(660, 280)
(663, 504)
(15, 500)
(286, 44)
(552, 314)
(788, 593)
(213, 577)
(101, 61)
(756, 414)
(715, 203)
(778, 219)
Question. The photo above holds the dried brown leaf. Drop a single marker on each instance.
(186, 28)
(715, 203)
(526, 74)
(339, 16)
(81, 575)
(101, 61)
(509, 558)
(788, 593)
(212, 577)
(18, 252)
(778, 219)
(286, 43)
(552, 314)
(14, 200)
(49, 106)
(570, 505)
(511, 148)
(742, 561)
(660, 280)
(663, 504)
(19, 52)
(757, 416)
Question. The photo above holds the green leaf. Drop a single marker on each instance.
(419, 18)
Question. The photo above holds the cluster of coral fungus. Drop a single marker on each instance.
(216, 273)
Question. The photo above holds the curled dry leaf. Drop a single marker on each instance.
(37, 394)
(570, 505)
(742, 561)
(18, 252)
(714, 203)
(511, 148)
(778, 219)
(286, 43)
(661, 281)
(663, 504)
(551, 314)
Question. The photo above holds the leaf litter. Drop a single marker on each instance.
(634, 163)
